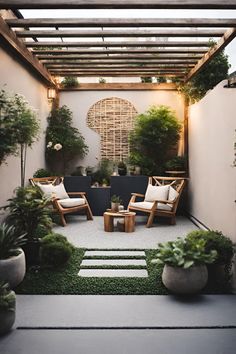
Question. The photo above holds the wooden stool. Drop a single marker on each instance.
(129, 221)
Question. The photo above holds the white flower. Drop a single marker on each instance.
(57, 147)
(49, 144)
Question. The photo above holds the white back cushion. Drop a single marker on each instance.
(49, 190)
(172, 194)
(156, 193)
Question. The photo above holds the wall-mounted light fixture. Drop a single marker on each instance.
(51, 93)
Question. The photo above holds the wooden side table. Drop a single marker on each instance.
(129, 220)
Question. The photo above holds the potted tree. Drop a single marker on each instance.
(7, 307)
(115, 203)
(12, 257)
(176, 166)
(28, 211)
(220, 271)
(185, 270)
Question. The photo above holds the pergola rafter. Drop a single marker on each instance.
(141, 46)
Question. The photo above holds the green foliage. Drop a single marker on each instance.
(70, 81)
(103, 173)
(10, 241)
(102, 80)
(161, 79)
(156, 132)
(177, 163)
(116, 199)
(42, 172)
(27, 211)
(184, 253)
(146, 79)
(63, 141)
(7, 297)
(19, 127)
(55, 250)
(213, 73)
(215, 240)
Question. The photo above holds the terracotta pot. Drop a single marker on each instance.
(185, 281)
(7, 317)
(12, 270)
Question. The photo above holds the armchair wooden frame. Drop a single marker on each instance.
(57, 207)
(177, 183)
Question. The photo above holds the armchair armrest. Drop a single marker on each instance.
(76, 193)
(138, 194)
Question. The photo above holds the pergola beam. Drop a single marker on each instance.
(119, 62)
(118, 44)
(9, 39)
(115, 73)
(121, 66)
(121, 4)
(223, 42)
(137, 58)
(122, 22)
(71, 52)
(120, 33)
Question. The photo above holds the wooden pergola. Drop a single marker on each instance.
(116, 47)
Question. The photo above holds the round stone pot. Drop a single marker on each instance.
(7, 317)
(12, 270)
(185, 281)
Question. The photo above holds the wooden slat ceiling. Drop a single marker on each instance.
(121, 46)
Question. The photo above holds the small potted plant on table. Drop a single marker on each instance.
(185, 270)
(115, 203)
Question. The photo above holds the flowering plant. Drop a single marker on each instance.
(56, 146)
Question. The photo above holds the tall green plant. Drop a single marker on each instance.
(156, 132)
(19, 128)
(63, 141)
(28, 211)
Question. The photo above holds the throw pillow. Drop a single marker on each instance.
(156, 193)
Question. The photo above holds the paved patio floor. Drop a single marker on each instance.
(204, 324)
(91, 234)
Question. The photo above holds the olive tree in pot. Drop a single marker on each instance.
(220, 271)
(185, 270)
(7, 307)
(28, 211)
(12, 257)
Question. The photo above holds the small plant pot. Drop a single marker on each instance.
(12, 270)
(122, 171)
(7, 317)
(115, 207)
(185, 281)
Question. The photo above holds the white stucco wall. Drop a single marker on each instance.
(81, 101)
(15, 78)
(212, 185)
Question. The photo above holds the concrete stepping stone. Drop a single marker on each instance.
(113, 273)
(115, 253)
(116, 262)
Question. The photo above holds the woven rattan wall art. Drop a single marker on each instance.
(113, 118)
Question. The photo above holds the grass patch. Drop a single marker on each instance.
(66, 281)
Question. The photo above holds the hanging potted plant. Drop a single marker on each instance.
(12, 257)
(184, 261)
(7, 307)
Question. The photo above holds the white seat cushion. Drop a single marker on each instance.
(149, 205)
(49, 190)
(156, 193)
(71, 202)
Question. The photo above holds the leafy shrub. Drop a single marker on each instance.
(28, 210)
(177, 163)
(55, 250)
(70, 81)
(7, 297)
(184, 253)
(146, 79)
(42, 172)
(214, 240)
(103, 172)
(10, 241)
(156, 132)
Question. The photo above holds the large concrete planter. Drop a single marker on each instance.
(185, 281)
(7, 316)
(12, 270)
